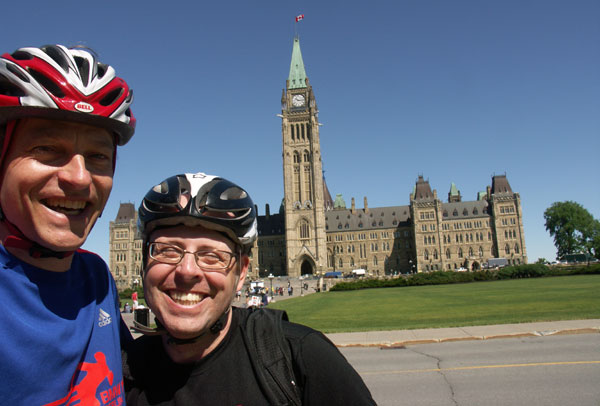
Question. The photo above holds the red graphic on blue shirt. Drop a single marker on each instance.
(84, 393)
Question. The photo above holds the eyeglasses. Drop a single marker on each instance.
(207, 260)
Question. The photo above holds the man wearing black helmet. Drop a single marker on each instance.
(62, 115)
(198, 231)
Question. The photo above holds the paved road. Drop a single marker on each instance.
(545, 370)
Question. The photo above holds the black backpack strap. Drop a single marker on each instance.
(271, 355)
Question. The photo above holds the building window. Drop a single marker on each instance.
(304, 230)
(507, 249)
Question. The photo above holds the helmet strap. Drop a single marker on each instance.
(17, 239)
(214, 329)
(161, 330)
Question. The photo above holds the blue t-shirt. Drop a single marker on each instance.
(59, 334)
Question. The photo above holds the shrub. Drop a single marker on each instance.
(445, 277)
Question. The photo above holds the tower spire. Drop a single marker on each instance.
(297, 76)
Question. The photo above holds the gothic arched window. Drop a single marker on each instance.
(304, 230)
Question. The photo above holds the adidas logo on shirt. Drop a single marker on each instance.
(104, 318)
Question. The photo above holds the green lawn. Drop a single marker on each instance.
(480, 303)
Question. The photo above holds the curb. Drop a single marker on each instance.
(402, 344)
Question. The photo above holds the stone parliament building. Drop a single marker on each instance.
(314, 234)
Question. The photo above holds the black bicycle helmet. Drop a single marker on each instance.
(199, 199)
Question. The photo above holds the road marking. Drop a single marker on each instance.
(533, 364)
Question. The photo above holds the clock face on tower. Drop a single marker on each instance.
(298, 100)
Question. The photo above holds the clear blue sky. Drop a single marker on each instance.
(455, 91)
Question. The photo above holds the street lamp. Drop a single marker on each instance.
(271, 280)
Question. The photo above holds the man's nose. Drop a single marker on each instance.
(188, 268)
(76, 173)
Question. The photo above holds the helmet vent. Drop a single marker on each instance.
(111, 97)
(101, 69)
(9, 89)
(233, 193)
(57, 55)
(15, 71)
(22, 56)
(47, 83)
(84, 69)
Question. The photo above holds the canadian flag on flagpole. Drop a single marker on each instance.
(300, 17)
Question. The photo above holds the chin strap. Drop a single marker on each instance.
(161, 330)
(17, 239)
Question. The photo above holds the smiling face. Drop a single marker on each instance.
(56, 179)
(186, 299)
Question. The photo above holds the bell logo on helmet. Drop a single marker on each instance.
(84, 107)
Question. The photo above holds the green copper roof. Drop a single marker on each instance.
(297, 77)
(481, 195)
(453, 190)
(339, 202)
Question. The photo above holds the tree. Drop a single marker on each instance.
(593, 242)
(574, 229)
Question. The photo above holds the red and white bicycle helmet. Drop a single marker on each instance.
(199, 199)
(67, 84)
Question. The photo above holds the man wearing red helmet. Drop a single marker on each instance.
(62, 115)
(198, 231)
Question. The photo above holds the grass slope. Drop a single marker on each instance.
(481, 303)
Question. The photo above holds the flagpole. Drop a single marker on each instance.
(298, 18)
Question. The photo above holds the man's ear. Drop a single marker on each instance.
(244, 263)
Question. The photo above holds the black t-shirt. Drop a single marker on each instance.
(226, 375)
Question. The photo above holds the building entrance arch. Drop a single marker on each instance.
(306, 268)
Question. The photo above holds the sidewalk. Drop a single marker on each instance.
(398, 338)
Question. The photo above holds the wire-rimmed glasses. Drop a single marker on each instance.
(207, 260)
